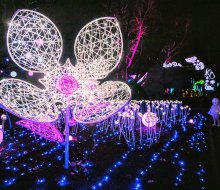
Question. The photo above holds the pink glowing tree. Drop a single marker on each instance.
(135, 17)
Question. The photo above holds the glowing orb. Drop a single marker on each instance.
(3, 117)
(67, 84)
(30, 73)
(13, 74)
(191, 121)
(149, 119)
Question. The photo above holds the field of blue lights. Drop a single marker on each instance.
(100, 160)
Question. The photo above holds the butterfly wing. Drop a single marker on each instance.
(34, 42)
(98, 48)
(27, 101)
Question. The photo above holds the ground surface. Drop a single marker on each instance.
(186, 157)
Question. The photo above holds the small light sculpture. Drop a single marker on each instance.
(172, 64)
(150, 119)
(196, 62)
(209, 80)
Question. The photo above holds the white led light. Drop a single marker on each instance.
(209, 79)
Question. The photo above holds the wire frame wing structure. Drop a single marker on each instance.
(98, 47)
(34, 42)
(27, 101)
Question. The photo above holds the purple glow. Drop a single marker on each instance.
(67, 84)
(72, 122)
(1, 134)
(45, 130)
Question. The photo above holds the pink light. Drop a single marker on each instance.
(28, 55)
(45, 130)
(71, 138)
(142, 78)
(191, 121)
(91, 85)
(132, 76)
(1, 134)
(30, 73)
(39, 42)
(72, 122)
(134, 47)
(67, 84)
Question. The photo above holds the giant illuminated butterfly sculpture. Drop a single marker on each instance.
(35, 44)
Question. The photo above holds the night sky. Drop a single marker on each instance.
(70, 16)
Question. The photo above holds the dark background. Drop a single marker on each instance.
(70, 16)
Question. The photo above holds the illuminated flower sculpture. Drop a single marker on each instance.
(35, 44)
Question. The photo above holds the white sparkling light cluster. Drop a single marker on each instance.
(196, 62)
(171, 64)
(209, 79)
(35, 44)
(208, 74)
